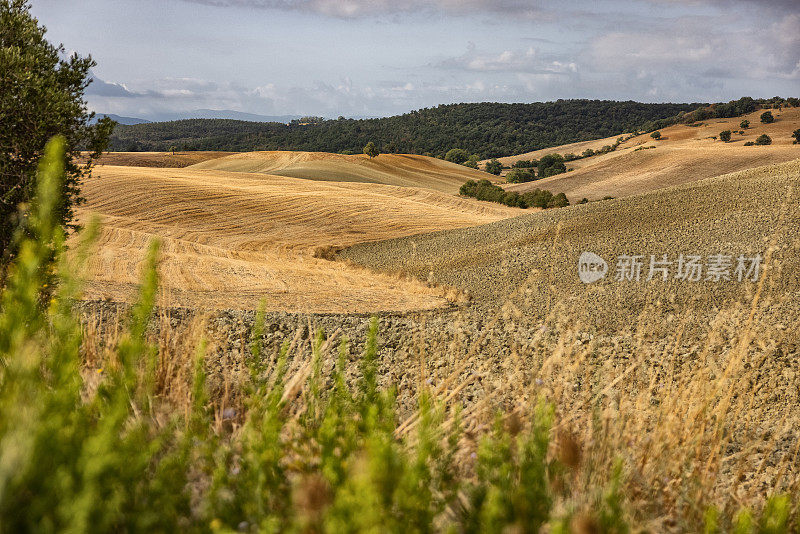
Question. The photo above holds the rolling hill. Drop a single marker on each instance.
(534, 258)
(389, 169)
(231, 239)
(685, 153)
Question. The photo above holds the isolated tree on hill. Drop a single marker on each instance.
(173, 149)
(371, 150)
(656, 135)
(457, 155)
(725, 136)
(745, 124)
(41, 95)
(767, 117)
(763, 139)
(796, 135)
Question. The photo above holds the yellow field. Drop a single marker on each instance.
(684, 154)
(232, 239)
(390, 169)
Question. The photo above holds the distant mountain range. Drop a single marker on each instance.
(127, 121)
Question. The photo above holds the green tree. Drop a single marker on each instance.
(172, 149)
(472, 162)
(494, 167)
(518, 176)
(745, 124)
(551, 164)
(371, 150)
(767, 117)
(41, 96)
(656, 135)
(796, 135)
(457, 155)
(725, 136)
(763, 139)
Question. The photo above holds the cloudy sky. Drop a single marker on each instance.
(383, 57)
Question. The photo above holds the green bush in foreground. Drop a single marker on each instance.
(118, 457)
(109, 459)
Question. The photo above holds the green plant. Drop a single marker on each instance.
(494, 167)
(520, 175)
(745, 124)
(725, 136)
(767, 117)
(371, 150)
(41, 95)
(656, 135)
(763, 139)
(796, 135)
(457, 155)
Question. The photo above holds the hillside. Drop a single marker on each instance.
(534, 258)
(487, 129)
(230, 240)
(389, 169)
(685, 153)
(175, 160)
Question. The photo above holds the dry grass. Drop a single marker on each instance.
(403, 170)
(232, 239)
(741, 213)
(697, 420)
(684, 154)
(158, 159)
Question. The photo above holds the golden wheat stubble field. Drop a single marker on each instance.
(683, 154)
(231, 239)
(403, 170)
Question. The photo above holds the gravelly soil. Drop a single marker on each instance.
(533, 259)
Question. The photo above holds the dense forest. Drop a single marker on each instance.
(486, 129)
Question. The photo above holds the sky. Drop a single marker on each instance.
(365, 58)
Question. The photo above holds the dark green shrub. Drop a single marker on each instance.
(767, 117)
(588, 153)
(763, 139)
(796, 135)
(551, 164)
(518, 176)
(749, 143)
(457, 155)
(725, 136)
(524, 164)
(494, 167)
(745, 124)
(656, 135)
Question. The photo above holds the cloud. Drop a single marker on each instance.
(366, 8)
(509, 61)
(759, 52)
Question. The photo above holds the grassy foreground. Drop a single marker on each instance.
(137, 446)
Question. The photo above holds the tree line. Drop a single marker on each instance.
(487, 129)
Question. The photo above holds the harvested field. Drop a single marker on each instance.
(232, 239)
(683, 154)
(534, 258)
(177, 160)
(389, 169)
